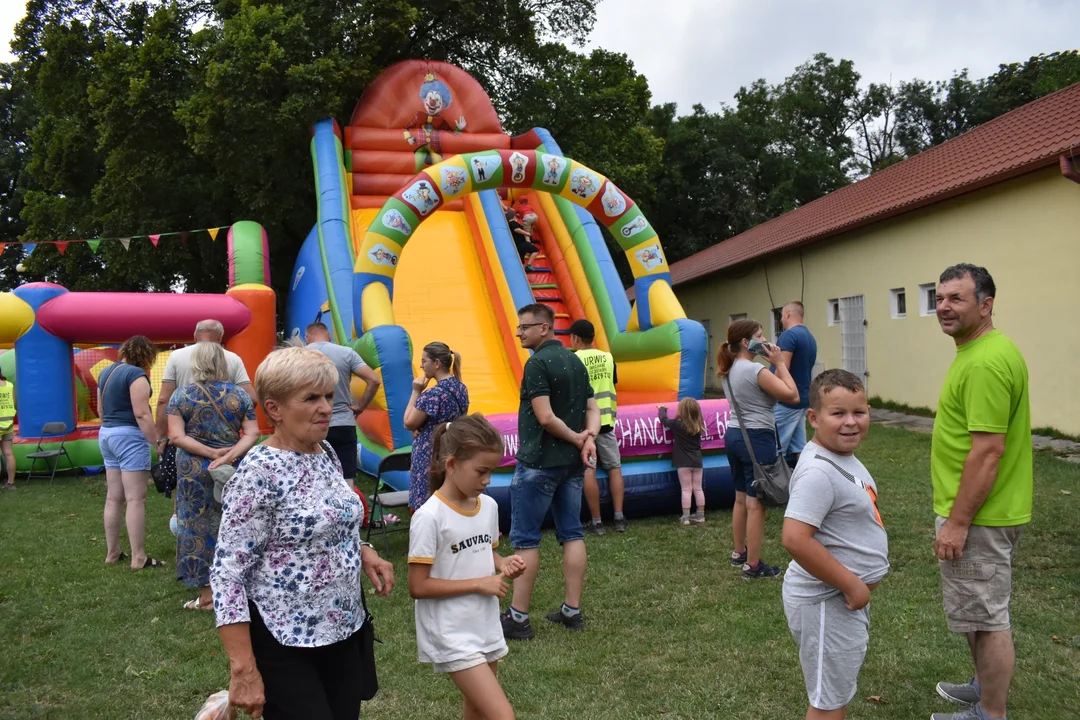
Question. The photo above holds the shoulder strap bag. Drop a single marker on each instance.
(771, 482)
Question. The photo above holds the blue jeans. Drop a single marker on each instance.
(533, 491)
(791, 424)
(742, 467)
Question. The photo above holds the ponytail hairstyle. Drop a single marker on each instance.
(737, 332)
(449, 359)
(461, 439)
(690, 413)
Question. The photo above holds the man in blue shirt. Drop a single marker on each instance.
(800, 354)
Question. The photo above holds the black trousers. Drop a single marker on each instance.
(343, 439)
(321, 683)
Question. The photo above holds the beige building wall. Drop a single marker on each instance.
(1026, 232)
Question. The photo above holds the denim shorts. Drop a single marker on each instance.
(124, 448)
(533, 491)
(742, 468)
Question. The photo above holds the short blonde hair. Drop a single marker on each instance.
(208, 363)
(288, 370)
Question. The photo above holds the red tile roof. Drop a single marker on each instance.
(1026, 139)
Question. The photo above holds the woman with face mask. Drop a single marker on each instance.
(756, 389)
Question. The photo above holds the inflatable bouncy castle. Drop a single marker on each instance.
(55, 343)
(411, 246)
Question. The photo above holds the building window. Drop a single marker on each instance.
(737, 316)
(833, 310)
(898, 303)
(928, 299)
(777, 323)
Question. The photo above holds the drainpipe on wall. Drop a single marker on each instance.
(1068, 168)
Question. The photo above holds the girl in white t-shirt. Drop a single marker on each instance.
(455, 575)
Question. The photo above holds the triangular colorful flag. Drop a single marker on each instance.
(125, 242)
(61, 246)
(213, 233)
(30, 247)
(93, 245)
(2, 246)
(154, 239)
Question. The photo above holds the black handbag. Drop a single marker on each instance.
(164, 471)
(772, 483)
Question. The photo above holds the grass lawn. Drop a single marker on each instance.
(673, 631)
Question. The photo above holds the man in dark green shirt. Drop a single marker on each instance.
(558, 421)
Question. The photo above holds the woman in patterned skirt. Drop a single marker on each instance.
(446, 400)
(211, 423)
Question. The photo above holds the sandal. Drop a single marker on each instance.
(197, 604)
(152, 563)
(119, 559)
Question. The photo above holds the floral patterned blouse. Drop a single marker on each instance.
(446, 400)
(289, 542)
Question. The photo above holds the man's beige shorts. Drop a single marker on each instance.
(977, 588)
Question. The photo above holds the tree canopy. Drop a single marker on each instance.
(124, 118)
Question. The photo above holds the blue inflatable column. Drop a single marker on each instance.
(45, 368)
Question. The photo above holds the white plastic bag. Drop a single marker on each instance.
(217, 707)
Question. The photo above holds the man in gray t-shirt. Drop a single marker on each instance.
(342, 434)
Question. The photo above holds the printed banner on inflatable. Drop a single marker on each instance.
(638, 430)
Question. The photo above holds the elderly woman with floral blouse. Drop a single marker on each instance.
(286, 575)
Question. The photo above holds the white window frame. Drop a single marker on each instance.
(733, 318)
(894, 303)
(927, 308)
(776, 323)
(832, 312)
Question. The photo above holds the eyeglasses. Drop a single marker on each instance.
(525, 326)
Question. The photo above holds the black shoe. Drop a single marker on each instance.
(738, 560)
(594, 528)
(514, 630)
(574, 622)
(621, 525)
(762, 570)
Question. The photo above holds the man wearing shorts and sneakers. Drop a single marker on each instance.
(603, 376)
(799, 350)
(342, 433)
(557, 423)
(981, 465)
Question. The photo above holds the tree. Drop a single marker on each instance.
(14, 122)
(185, 114)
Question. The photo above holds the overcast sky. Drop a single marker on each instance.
(701, 51)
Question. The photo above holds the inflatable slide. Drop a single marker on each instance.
(422, 163)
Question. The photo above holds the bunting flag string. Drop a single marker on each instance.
(94, 243)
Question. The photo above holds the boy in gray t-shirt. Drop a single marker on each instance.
(840, 551)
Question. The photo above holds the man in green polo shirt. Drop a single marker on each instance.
(558, 420)
(981, 466)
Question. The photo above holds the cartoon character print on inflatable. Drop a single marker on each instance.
(423, 132)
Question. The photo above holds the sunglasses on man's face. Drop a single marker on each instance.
(525, 326)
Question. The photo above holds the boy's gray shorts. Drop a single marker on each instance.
(832, 645)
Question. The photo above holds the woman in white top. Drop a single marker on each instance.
(756, 389)
(286, 574)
